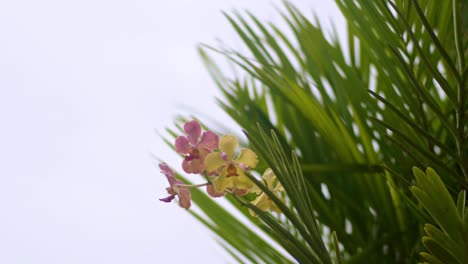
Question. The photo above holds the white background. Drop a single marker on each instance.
(83, 87)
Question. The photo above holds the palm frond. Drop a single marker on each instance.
(356, 118)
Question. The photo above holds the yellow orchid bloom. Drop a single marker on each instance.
(230, 170)
(263, 202)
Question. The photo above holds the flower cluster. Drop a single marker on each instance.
(219, 162)
(263, 202)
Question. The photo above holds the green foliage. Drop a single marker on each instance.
(290, 175)
(356, 118)
(449, 242)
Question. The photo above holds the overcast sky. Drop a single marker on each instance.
(83, 86)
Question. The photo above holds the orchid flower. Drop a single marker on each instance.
(263, 202)
(194, 147)
(231, 171)
(176, 188)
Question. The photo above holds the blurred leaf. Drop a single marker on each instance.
(450, 244)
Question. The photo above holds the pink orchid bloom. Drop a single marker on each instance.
(176, 188)
(194, 147)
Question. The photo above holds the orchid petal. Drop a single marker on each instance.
(166, 170)
(212, 191)
(252, 213)
(184, 198)
(240, 192)
(269, 176)
(248, 158)
(193, 131)
(279, 187)
(228, 145)
(209, 140)
(182, 145)
(255, 189)
(213, 161)
(194, 166)
(186, 166)
(169, 174)
(167, 199)
(203, 152)
(221, 182)
(242, 181)
(263, 202)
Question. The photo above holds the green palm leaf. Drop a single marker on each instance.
(356, 121)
